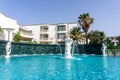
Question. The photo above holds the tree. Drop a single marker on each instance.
(17, 37)
(118, 38)
(76, 34)
(96, 37)
(85, 21)
(110, 45)
(0, 29)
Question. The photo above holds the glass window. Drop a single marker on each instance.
(45, 29)
(45, 37)
(61, 35)
(61, 28)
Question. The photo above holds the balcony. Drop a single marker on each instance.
(43, 29)
(26, 34)
(45, 38)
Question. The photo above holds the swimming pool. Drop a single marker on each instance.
(52, 67)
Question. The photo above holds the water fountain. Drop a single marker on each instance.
(8, 50)
(68, 48)
(104, 47)
(68, 53)
(74, 45)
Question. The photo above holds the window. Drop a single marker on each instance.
(45, 29)
(61, 35)
(61, 28)
(45, 37)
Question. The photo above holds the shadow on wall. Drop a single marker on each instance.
(2, 36)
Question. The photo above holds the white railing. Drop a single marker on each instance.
(46, 39)
(26, 33)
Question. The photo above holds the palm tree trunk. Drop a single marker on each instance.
(86, 37)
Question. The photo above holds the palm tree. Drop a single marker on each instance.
(17, 37)
(85, 21)
(76, 34)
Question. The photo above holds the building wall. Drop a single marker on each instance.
(8, 23)
(9, 27)
(8, 34)
(61, 32)
(36, 32)
(52, 31)
(2, 36)
(26, 34)
(72, 25)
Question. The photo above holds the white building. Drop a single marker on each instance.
(26, 34)
(10, 27)
(114, 40)
(41, 33)
(51, 33)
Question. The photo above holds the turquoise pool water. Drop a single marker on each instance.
(52, 67)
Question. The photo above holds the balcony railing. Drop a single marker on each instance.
(44, 29)
(26, 33)
(46, 39)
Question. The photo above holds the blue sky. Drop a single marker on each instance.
(105, 12)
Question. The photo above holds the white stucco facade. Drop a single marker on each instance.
(9, 26)
(49, 33)
(41, 33)
(36, 31)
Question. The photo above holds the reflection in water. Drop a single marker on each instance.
(7, 60)
(105, 66)
(105, 62)
(7, 69)
(68, 65)
(68, 71)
